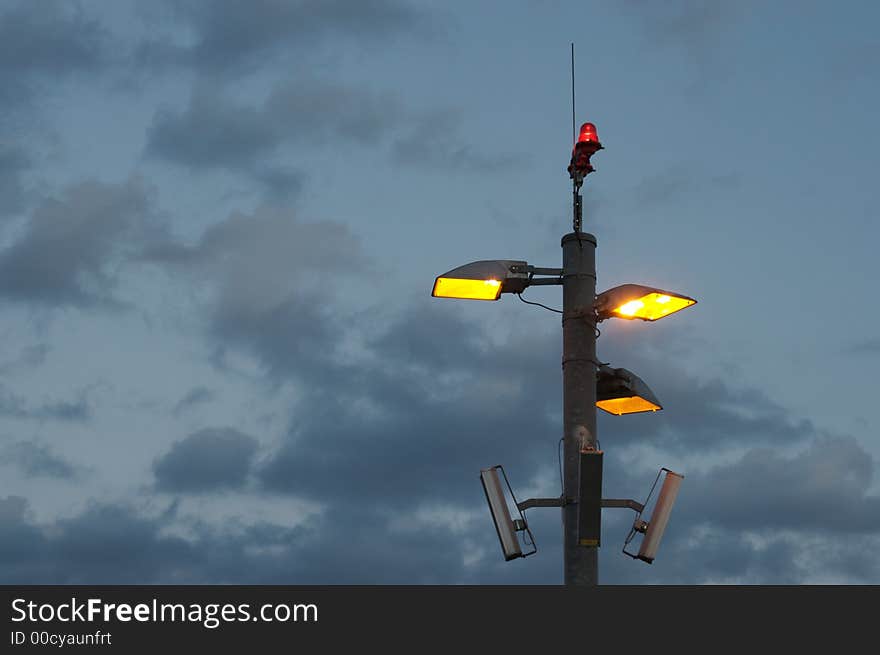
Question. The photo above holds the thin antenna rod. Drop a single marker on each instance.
(573, 128)
(576, 180)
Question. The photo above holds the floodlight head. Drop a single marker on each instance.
(483, 280)
(660, 517)
(619, 391)
(631, 301)
(504, 526)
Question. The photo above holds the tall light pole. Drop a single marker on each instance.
(581, 519)
(581, 562)
(587, 384)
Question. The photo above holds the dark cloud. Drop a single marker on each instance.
(700, 415)
(104, 543)
(422, 538)
(38, 460)
(208, 460)
(677, 182)
(72, 245)
(681, 20)
(211, 132)
(280, 184)
(766, 517)
(42, 43)
(117, 544)
(391, 450)
(273, 277)
(14, 162)
(14, 406)
(431, 143)
(231, 38)
(865, 347)
(697, 29)
(409, 423)
(28, 359)
(216, 132)
(417, 424)
(823, 488)
(196, 396)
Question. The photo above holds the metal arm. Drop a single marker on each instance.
(624, 503)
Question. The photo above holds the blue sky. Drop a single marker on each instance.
(219, 227)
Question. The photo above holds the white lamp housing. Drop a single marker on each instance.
(660, 517)
(500, 513)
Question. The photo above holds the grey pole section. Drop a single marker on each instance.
(578, 393)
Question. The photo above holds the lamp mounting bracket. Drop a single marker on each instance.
(625, 503)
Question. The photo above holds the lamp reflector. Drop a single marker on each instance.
(632, 301)
(483, 280)
(619, 392)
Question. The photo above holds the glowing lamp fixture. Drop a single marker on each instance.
(636, 301)
(619, 392)
(587, 145)
(483, 280)
(588, 134)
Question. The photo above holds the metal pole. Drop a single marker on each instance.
(581, 563)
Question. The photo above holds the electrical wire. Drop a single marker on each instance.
(559, 457)
(561, 480)
(529, 302)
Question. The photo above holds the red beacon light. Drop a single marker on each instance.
(587, 145)
(588, 134)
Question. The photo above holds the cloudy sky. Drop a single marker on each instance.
(219, 227)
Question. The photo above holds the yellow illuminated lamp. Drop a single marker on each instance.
(450, 287)
(627, 405)
(619, 392)
(483, 280)
(632, 301)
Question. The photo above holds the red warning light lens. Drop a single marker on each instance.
(588, 133)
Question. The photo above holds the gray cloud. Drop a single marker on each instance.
(207, 460)
(415, 427)
(261, 267)
(359, 541)
(215, 132)
(72, 245)
(676, 182)
(865, 347)
(29, 358)
(117, 544)
(763, 518)
(104, 543)
(700, 415)
(211, 132)
(196, 396)
(430, 143)
(233, 38)
(823, 488)
(696, 28)
(683, 20)
(14, 406)
(46, 42)
(38, 460)
(14, 162)
(409, 430)
(413, 419)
